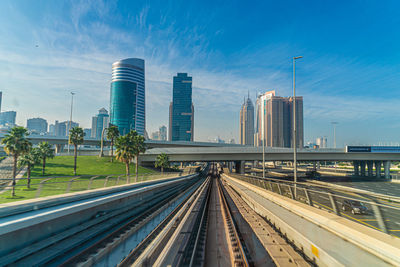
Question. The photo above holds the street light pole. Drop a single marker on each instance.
(334, 123)
(263, 135)
(70, 118)
(294, 127)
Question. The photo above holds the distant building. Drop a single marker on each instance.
(276, 125)
(1, 98)
(322, 142)
(52, 129)
(37, 125)
(99, 122)
(162, 133)
(231, 141)
(61, 129)
(246, 133)
(87, 132)
(127, 103)
(155, 135)
(181, 110)
(8, 117)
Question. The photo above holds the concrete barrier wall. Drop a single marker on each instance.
(368, 246)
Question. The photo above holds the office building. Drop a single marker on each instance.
(99, 123)
(1, 98)
(181, 110)
(322, 142)
(61, 129)
(246, 120)
(37, 125)
(127, 93)
(276, 126)
(88, 132)
(52, 129)
(8, 118)
(162, 133)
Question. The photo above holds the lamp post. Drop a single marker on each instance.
(263, 134)
(294, 127)
(70, 118)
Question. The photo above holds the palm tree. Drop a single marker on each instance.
(30, 159)
(45, 152)
(112, 133)
(16, 144)
(76, 136)
(139, 147)
(124, 151)
(162, 161)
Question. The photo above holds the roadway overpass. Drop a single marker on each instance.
(239, 155)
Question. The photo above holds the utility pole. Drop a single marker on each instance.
(294, 127)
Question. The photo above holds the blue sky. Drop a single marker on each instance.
(350, 72)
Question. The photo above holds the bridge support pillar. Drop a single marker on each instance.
(370, 165)
(230, 166)
(362, 168)
(318, 165)
(314, 165)
(356, 168)
(58, 148)
(239, 167)
(386, 166)
(378, 169)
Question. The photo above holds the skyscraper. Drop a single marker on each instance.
(99, 122)
(127, 96)
(277, 124)
(162, 133)
(61, 128)
(181, 110)
(1, 97)
(246, 134)
(37, 125)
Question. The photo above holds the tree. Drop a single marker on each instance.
(30, 159)
(162, 162)
(16, 144)
(112, 134)
(124, 151)
(76, 136)
(139, 147)
(45, 152)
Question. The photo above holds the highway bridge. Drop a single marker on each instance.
(239, 155)
(212, 218)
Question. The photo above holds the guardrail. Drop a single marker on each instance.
(369, 212)
(46, 186)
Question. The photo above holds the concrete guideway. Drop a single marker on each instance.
(59, 221)
(328, 239)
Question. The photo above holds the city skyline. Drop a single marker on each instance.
(69, 48)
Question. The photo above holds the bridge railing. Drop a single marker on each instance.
(365, 210)
(47, 186)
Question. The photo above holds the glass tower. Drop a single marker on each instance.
(127, 96)
(181, 111)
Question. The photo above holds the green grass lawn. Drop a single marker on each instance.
(61, 168)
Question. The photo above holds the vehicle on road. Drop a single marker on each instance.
(356, 207)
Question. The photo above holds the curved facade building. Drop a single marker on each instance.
(127, 96)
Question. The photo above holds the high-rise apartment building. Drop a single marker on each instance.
(127, 93)
(181, 110)
(99, 123)
(274, 120)
(246, 134)
(37, 125)
(8, 117)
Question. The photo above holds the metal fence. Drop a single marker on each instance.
(369, 211)
(46, 186)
